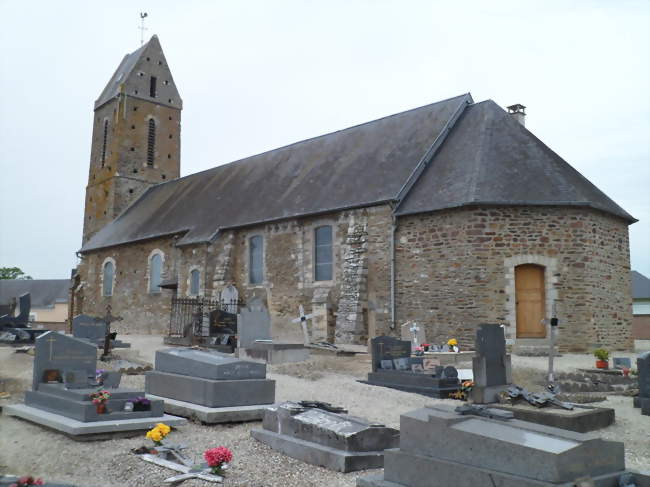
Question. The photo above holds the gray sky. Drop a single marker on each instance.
(255, 75)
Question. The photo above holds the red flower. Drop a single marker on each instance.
(217, 456)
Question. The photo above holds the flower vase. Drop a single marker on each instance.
(101, 408)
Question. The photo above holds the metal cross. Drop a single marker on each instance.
(108, 319)
(142, 28)
(303, 322)
(414, 329)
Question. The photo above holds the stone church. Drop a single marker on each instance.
(451, 215)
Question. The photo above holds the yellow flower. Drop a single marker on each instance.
(163, 428)
(452, 342)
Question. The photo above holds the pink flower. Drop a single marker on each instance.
(217, 456)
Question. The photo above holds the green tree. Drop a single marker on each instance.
(12, 273)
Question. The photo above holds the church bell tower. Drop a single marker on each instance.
(136, 136)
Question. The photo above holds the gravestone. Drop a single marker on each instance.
(439, 447)
(253, 323)
(332, 440)
(491, 365)
(643, 399)
(622, 363)
(414, 333)
(210, 386)
(229, 299)
(64, 378)
(393, 366)
(91, 329)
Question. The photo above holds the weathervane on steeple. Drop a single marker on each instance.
(142, 28)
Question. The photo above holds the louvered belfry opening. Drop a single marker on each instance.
(104, 142)
(151, 141)
(152, 87)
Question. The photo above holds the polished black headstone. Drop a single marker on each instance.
(388, 348)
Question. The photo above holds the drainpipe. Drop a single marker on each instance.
(393, 229)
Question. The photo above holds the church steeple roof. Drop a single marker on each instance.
(148, 60)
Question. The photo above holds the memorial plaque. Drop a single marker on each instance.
(402, 363)
(387, 364)
(430, 363)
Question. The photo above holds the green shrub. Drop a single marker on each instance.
(601, 354)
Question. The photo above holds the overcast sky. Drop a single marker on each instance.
(255, 75)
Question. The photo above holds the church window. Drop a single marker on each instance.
(195, 281)
(256, 259)
(155, 272)
(152, 87)
(104, 140)
(323, 253)
(107, 278)
(151, 141)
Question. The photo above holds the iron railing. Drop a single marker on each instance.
(202, 316)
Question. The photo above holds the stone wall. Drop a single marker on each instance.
(455, 270)
(288, 275)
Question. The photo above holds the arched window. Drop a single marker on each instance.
(195, 282)
(323, 253)
(256, 259)
(155, 271)
(104, 141)
(151, 141)
(107, 278)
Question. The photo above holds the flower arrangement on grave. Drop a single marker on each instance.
(140, 403)
(99, 399)
(157, 433)
(24, 481)
(464, 391)
(218, 459)
(99, 375)
(453, 344)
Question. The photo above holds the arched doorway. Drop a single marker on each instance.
(530, 301)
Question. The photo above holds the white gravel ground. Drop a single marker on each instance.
(26, 448)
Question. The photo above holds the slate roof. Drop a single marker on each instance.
(364, 165)
(44, 292)
(640, 286)
(122, 72)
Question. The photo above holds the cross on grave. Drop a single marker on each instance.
(108, 319)
(303, 322)
(414, 330)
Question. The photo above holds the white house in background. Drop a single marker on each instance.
(49, 299)
(640, 306)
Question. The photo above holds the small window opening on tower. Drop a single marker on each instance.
(151, 141)
(152, 87)
(170, 100)
(135, 109)
(130, 191)
(136, 92)
(166, 82)
(164, 177)
(104, 142)
(148, 59)
(159, 63)
(135, 171)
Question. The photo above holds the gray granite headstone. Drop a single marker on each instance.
(388, 348)
(207, 365)
(491, 365)
(85, 326)
(253, 323)
(111, 379)
(55, 351)
(643, 368)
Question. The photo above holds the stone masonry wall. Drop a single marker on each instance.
(455, 270)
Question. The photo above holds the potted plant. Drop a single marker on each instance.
(602, 358)
(141, 404)
(99, 399)
(158, 433)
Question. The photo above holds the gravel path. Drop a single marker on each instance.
(26, 448)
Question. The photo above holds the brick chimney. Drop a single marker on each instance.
(519, 112)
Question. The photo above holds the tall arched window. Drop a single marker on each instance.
(107, 278)
(155, 271)
(151, 141)
(104, 141)
(195, 282)
(323, 253)
(256, 259)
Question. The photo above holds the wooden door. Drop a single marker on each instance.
(529, 289)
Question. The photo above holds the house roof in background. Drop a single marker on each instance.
(488, 158)
(640, 286)
(44, 292)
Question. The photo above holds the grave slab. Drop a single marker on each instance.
(233, 414)
(335, 441)
(79, 428)
(275, 352)
(580, 420)
(440, 447)
(207, 365)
